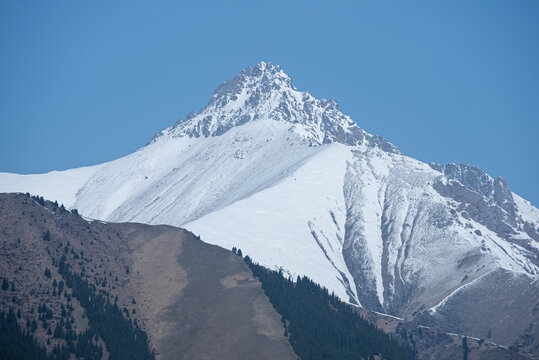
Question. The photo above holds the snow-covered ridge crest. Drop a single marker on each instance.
(265, 91)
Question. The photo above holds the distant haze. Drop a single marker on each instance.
(85, 83)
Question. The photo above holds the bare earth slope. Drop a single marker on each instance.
(194, 300)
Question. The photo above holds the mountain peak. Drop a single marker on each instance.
(264, 76)
(265, 71)
(266, 92)
(264, 68)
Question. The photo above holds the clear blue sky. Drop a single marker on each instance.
(446, 81)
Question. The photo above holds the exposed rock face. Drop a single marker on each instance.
(479, 191)
(487, 201)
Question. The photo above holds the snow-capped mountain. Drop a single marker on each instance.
(299, 186)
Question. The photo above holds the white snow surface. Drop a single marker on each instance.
(55, 185)
(301, 217)
(527, 211)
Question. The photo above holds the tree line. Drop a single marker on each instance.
(319, 325)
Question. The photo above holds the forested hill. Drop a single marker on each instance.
(77, 288)
(320, 326)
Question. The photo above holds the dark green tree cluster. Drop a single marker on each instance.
(319, 325)
(46, 313)
(60, 353)
(39, 199)
(237, 251)
(123, 339)
(87, 347)
(15, 343)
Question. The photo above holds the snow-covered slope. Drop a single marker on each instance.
(300, 187)
(297, 225)
(55, 185)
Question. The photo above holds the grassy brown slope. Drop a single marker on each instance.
(234, 317)
(194, 300)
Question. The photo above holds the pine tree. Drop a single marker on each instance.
(58, 332)
(465, 349)
(5, 284)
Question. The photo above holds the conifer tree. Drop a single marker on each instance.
(465, 349)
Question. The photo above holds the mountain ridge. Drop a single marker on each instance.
(302, 188)
(266, 91)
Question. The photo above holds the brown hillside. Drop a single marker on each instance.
(194, 300)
